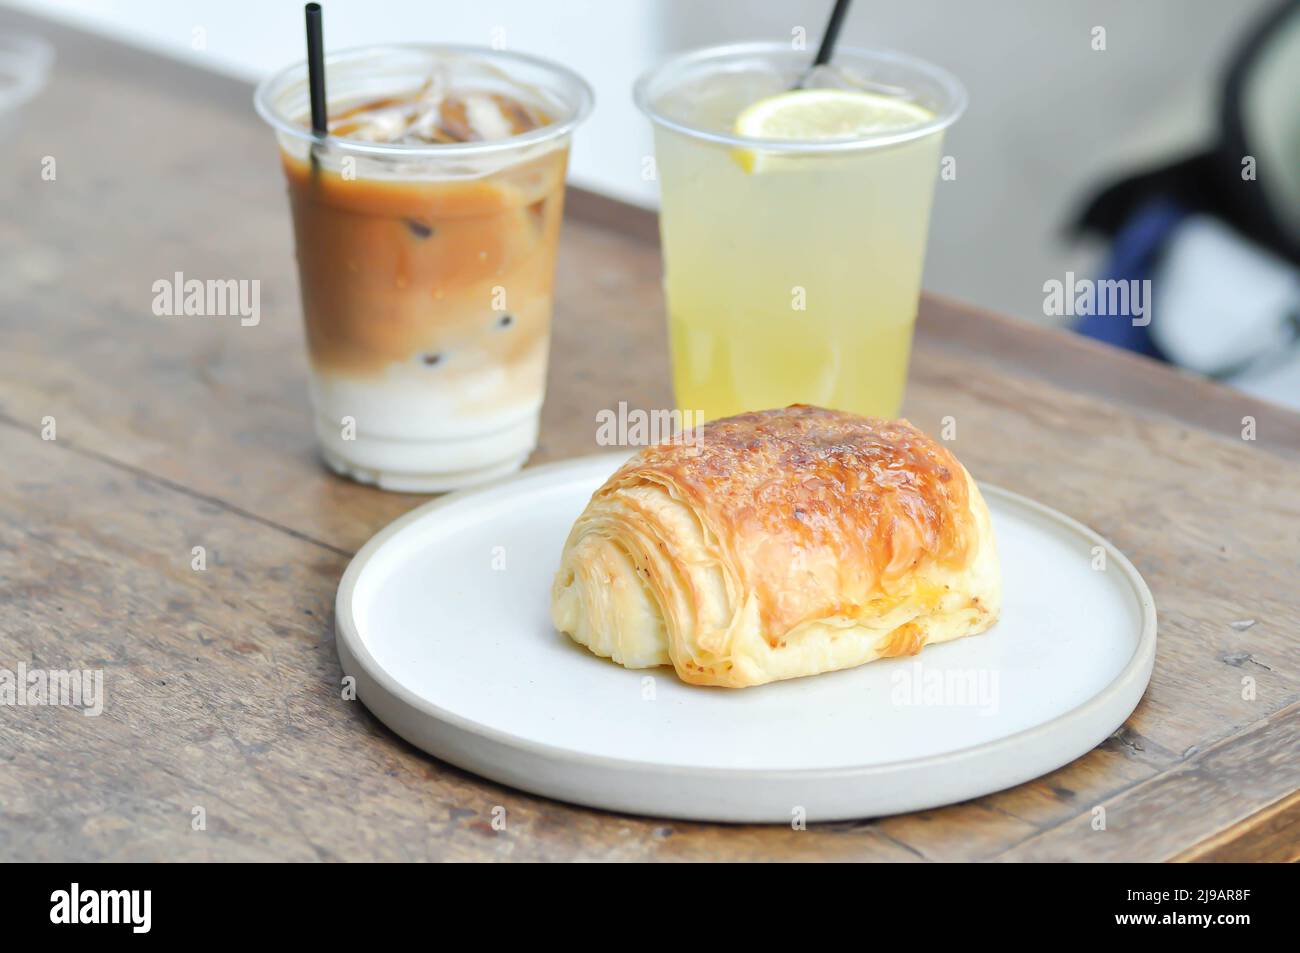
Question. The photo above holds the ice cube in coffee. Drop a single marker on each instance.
(426, 233)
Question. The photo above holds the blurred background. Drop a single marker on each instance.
(1113, 116)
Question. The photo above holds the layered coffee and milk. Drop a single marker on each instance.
(426, 233)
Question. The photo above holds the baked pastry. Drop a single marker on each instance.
(779, 544)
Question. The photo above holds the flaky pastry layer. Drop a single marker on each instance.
(779, 544)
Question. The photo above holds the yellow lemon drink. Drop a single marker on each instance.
(794, 222)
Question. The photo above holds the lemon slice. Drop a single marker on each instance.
(817, 115)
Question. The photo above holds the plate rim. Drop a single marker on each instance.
(1139, 664)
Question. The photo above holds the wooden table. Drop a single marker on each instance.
(223, 685)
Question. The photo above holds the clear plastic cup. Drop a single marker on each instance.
(792, 268)
(426, 270)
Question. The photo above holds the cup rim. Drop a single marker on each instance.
(583, 99)
(955, 92)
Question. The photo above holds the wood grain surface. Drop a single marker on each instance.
(222, 685)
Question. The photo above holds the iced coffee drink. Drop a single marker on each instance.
(426, 229)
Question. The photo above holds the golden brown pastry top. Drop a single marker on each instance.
(818, 513)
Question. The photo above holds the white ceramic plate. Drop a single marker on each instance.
(443, 620)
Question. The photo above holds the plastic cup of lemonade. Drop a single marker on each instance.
(426, 228)
(794, 221)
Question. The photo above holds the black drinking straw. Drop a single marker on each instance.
(316, 74)
(827, 49)
(832, 34)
